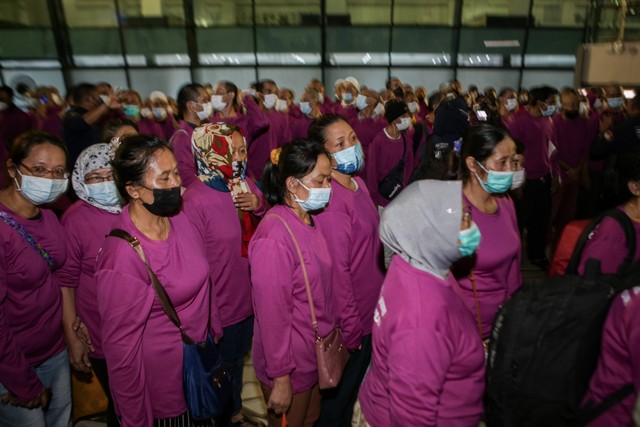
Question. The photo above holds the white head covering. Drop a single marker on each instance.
(156, 94)
(422, 225)
(93, 157)
(354, 82)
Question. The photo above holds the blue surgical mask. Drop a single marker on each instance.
(41, 190)
(497, 182)
(104, 193)
(318, 198)
(305, 108)
(469, 240)
(350, 160)
(550, 111)
(615, 102)
(347, 97)
(131, 110)
(361, 102)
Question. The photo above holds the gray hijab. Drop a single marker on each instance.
(422, 224)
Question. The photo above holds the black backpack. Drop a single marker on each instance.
(545, 346)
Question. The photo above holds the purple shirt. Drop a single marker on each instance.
(252, 124)
(150, 127)
(300, 126)
(366, 129)
(214, 215)
(142, 347)
(619, 356)
(496, 264)
(351, 230)
(85, 229)
(384, 154)
(30, 302)
(276, 135)
(181, 145)
(608, 244)
(427, 367)
(13, 122)
(52, 123)
(168, 128)
(535, 133)
(284, 341)
(573, 139)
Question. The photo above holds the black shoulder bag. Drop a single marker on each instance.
(390, 186)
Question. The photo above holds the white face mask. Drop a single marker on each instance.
(41, 190)
(584, 108)
(270, 101)
(206, 112)
(518, 179)
(159, 113)
(511, 104)
(146, 112)
(281, 105)
(379, 110)
(318, 198)
(320, 97)
(413, 107)
(104, 193)
(404, 124)
(217, 103)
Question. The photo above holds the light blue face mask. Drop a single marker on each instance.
(361, 102)
(347, 97)
(615, 102)
(469, 240)
(131, 110)
(318, 198)
(550, 111)
(350, 160)
(497, 181)
(305, 108)
(104, 193)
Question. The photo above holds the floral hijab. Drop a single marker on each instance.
(93, 157)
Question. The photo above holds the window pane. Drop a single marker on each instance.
(422, 46)
(552, 48)
(25, 13)
(168, 80)
(358, 12)
(90, 13)
(27, 43)
(241, 77)
(421, 12)
(489, 47)
(417, 77)
(291, 12)
(99, 47)
(152, 12)
(214, 47)
(557, 79)
(156, 46)
(211, 13)
(373, 78)
(498, 13)
(288, 46)
(494, 78)
(358, 46)
(567, 13)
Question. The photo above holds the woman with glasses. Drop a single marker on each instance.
(34, 372)
(86, 224)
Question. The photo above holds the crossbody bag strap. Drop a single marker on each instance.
(314, 322)
(165, 301)
(11, 222)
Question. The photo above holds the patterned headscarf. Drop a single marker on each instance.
(93, 157)
(211, 144)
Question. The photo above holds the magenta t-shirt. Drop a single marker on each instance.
(182, 150)
(351, 230)
(495, 265)
(300, 126)
(276, 135)
(427, 367)
(143, 349)
(30, 302)
(366, 129)
(85, 227)
(252, 124)
(535, 133)
(283, 340)
(214, 215)
(573, 139)
(150, 127)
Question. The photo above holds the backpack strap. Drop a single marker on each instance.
(627, 227)
(589, 413)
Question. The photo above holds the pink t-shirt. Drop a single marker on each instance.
(181, 146)
(277, 134)
(85, 229)
(535, 133)
(143, 349)
(252, 124)
(150, 127)
(573, 139)
(350, 223)
(283, 340)
(427, 366)
(366, 129)
(30, 302)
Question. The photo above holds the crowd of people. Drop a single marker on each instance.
(258, 214)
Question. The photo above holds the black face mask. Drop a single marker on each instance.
(572, 114)
(166, 201)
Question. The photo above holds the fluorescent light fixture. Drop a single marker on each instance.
(479, 60)
(293, 58)
(427, 59)
(501, 43)
(629, 93)
(232, 58)
(359, 58)
(38, 63)
(98, 60)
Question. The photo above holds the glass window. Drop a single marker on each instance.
(27, 43)
(422, 46)
(552, 48)
(98, 47)
(288, 46)
(497, 13)
(25, 13)
(290, 12)
(156, 46)
(151, 12)
(214, 47)
(490, 47)
(423, 12)
(567, 13)
(358, 12)
(363, 46)
(90, 13)
(214, 13)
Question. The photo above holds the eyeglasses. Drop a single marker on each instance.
(41, 172)
(96, 179)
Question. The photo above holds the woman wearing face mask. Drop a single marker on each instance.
(391, 146)
(492, 274)
(507, 105)
(224, 206)
(35, 387)
(427, 367)
(132, 110)
(296, 182)
(352, 232)
(194, 109)
(310, 110)
(370, 119)
(348, 91)
(86, 224)
(142, 347)
(162, 113)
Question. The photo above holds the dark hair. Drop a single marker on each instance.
(261, 83)
(394, 109)
(132, 160)
(445, 168)
(7, 90)
(316, 132)
(231, 87)
(297, 159)
(80, 91)
(541, 94)
(26, 141)
(188, 92)
(617, 178)
(480, 142)
(434, 100)
(505, 90)
(112, 126)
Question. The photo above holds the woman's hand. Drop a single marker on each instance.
(281, 395)
(40, 401)
(247, 202)
(83, 333)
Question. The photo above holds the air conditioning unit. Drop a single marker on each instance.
(601, 63)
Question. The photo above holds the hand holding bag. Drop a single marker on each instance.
(331, 351)
(207, 387)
